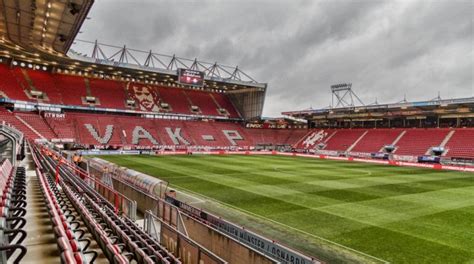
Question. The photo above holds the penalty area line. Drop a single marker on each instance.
(278, 223)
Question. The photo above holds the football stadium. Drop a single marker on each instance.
(111, 154)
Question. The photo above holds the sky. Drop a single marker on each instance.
(387, 49)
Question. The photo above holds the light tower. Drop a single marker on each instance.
(344, 95)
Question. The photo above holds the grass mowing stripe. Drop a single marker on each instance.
(412, 197)
(287, 226)
(264, 180)
(353, 211)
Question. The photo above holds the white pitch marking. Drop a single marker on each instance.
(369, 173)
(284, 225)
(198, 200)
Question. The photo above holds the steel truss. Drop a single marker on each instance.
(149, 60)
(344, 95)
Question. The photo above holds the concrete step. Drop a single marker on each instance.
(40, 241)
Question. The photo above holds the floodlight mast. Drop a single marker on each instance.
(344, 95)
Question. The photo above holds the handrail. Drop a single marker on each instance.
(149, 224)
(117, 200)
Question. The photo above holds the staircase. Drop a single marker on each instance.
(303, 138)
(394, 143)
(215, 101)
(28, 80)
(219, 106)
(41, 244)
(330, 136)
(30, 127)
(357, 141)
(446, 140)
(187, 98)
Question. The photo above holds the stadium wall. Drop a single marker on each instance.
(147, 190)
(222, 245)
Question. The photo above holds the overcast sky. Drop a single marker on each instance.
(384, 48)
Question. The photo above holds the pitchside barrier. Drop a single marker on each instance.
(210, 239)
(386, 162)
(220, 243)
(178, 243)
(148, 184)
(203, 232)
(122, 204)
(266, 246)
(406, 161)
(398, 160)
(172, 222)
(206, 227)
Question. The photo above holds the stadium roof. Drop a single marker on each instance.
(42, 25)
(232, 78)
(38, 34)
(41, 33)
(449, 107)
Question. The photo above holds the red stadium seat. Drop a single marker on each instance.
(419, 141)
(461, 144)
(376, 139)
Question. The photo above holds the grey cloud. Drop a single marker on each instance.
(385, 48)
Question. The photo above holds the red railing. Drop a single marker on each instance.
(120, 202)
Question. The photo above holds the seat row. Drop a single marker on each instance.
(119, 237)
(121, 240)
(73, 90)
(72, 244)
(12, 213)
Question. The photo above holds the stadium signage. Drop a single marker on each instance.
(54, 115)
(190, 77)
(252, 125)
(260, 243)
(266, 125)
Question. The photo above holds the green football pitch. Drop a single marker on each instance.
(332, 209)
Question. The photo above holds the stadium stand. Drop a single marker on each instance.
(9, 85)
(63, 89)
(110, 94)
(45, 83)
(312, 138)
(37, 123)
(204, 102)
(13, 200)
(128, 130)
(419, 141)
(97, 129)
(376, 139)
(344, 139)
(10, 118)
(223, 102)
(461, 143)
(276, 136)
(75, 87)
(176, 99)
(12, 212)
(82, 219)
(63, 127)
(56, 103)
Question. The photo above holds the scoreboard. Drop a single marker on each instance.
(191, 77)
